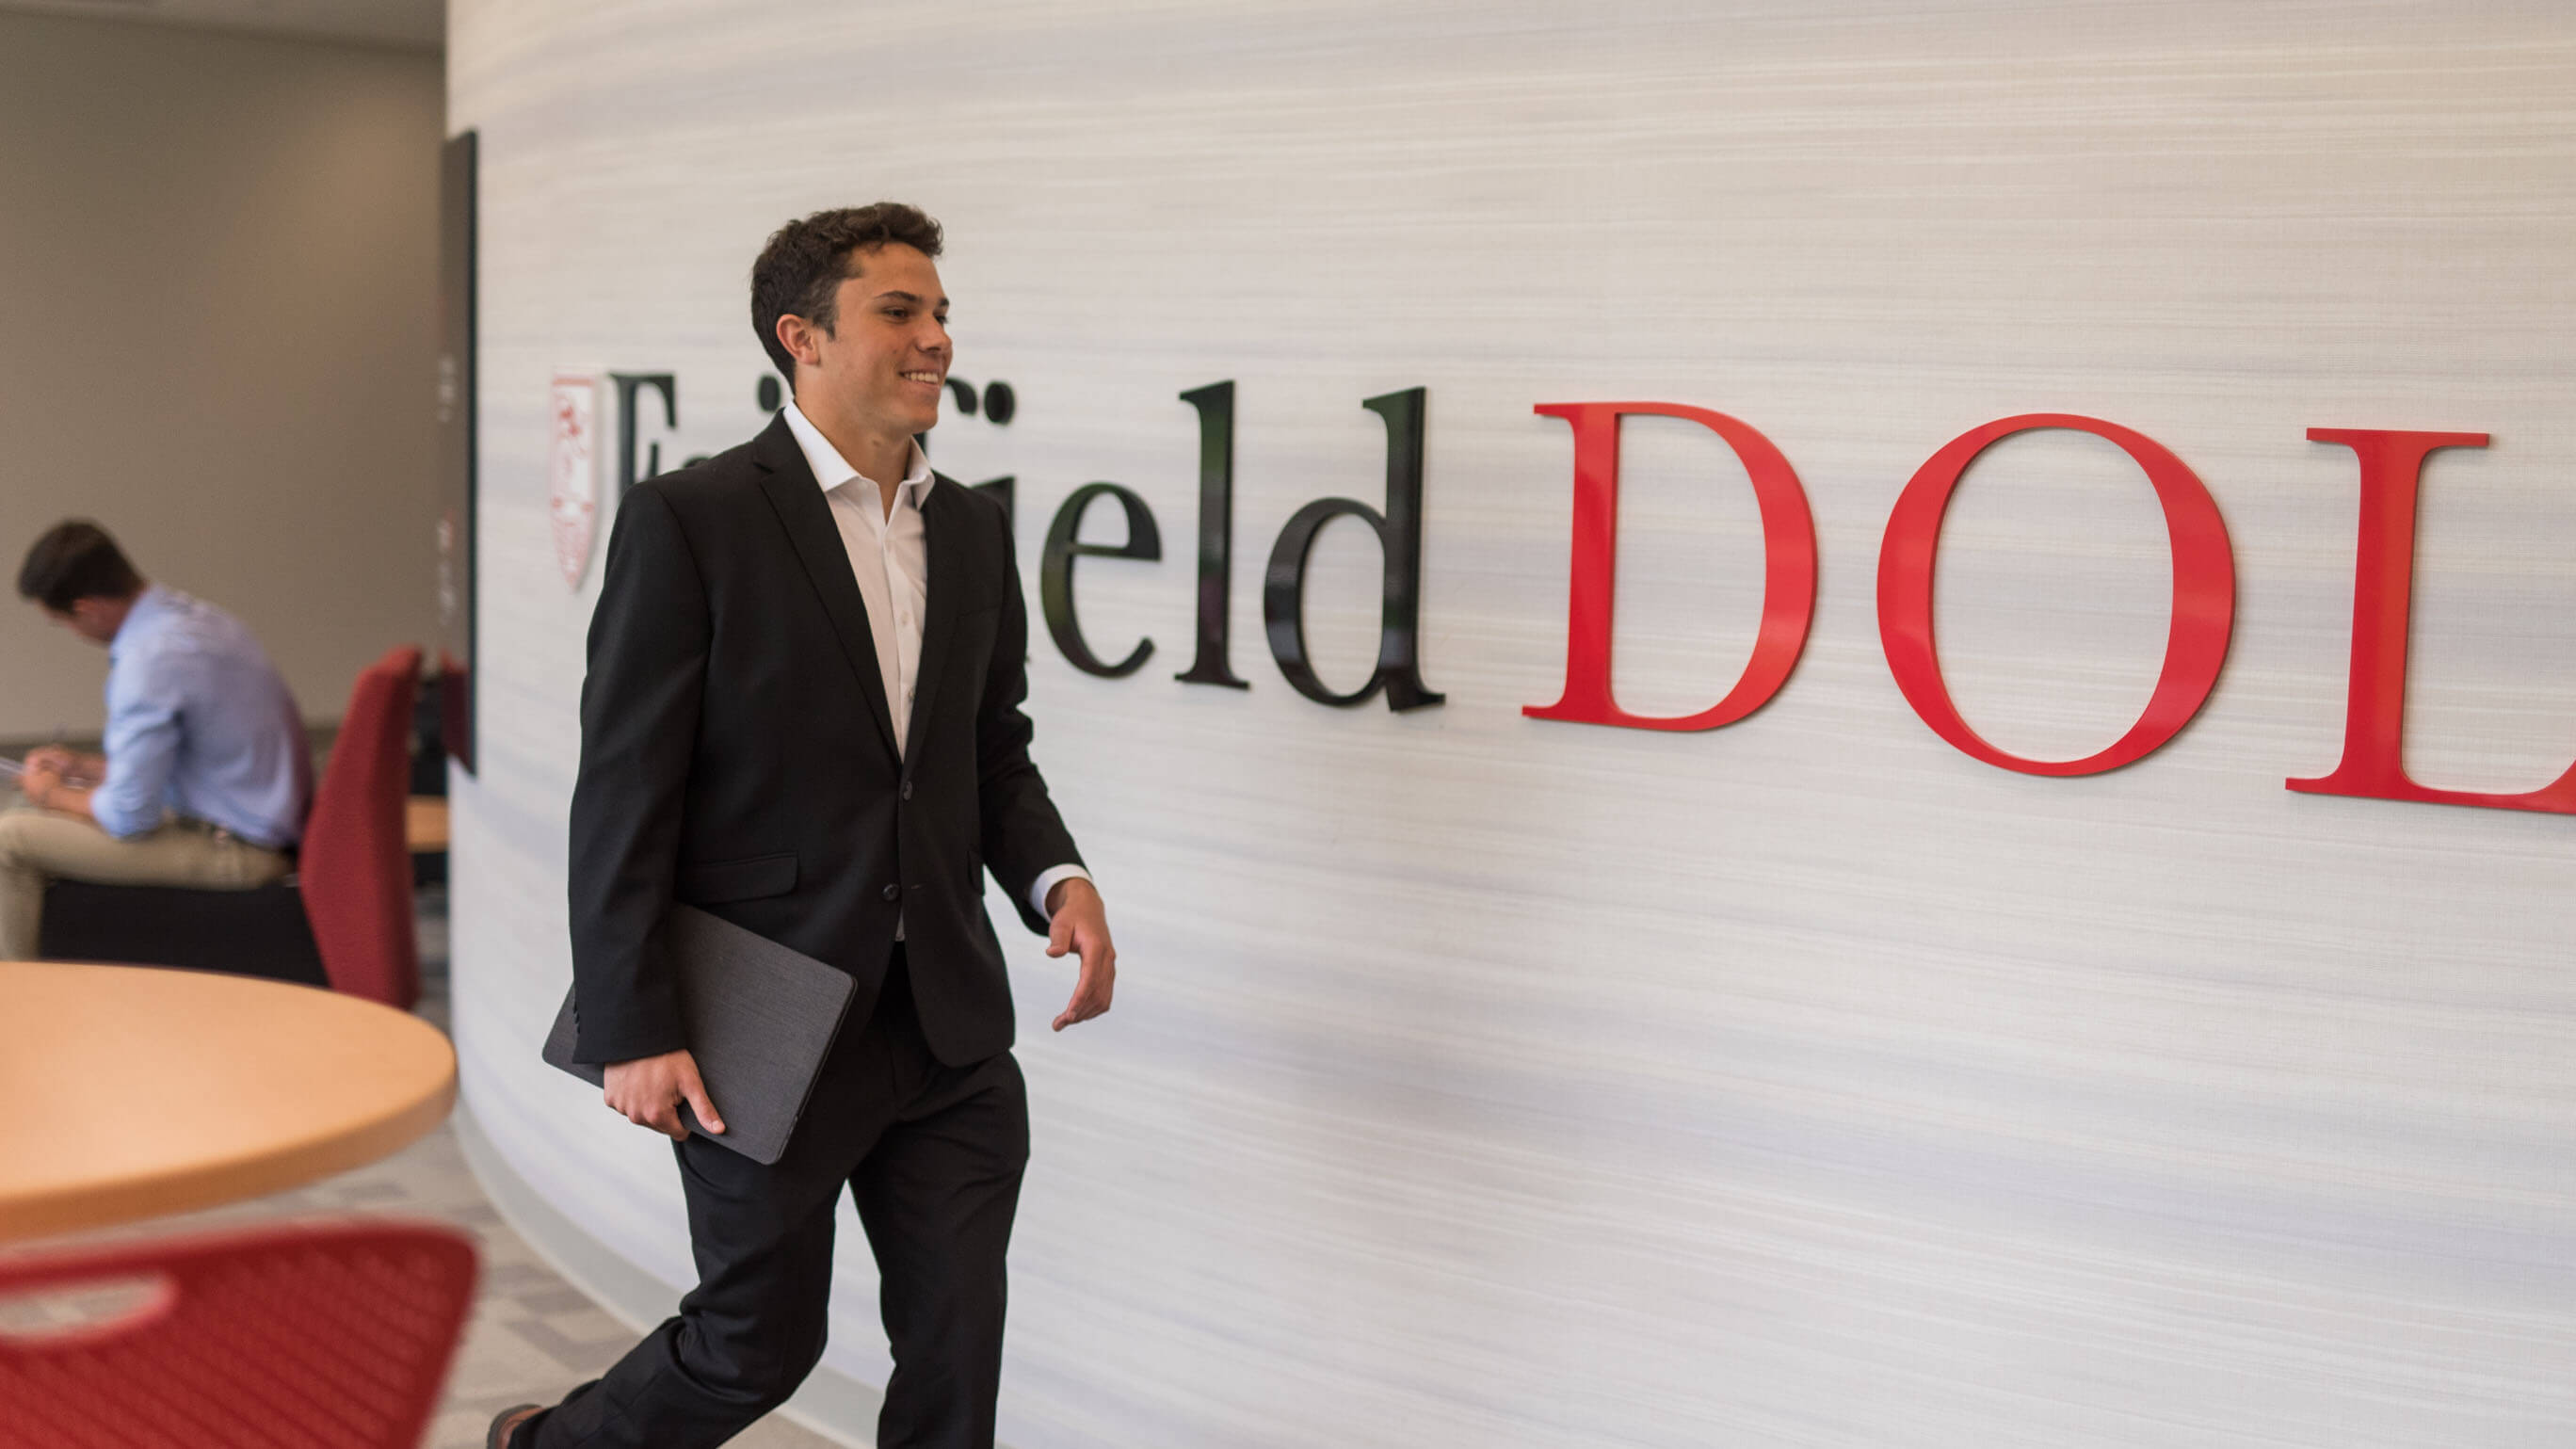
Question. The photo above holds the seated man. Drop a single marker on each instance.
(207, 774)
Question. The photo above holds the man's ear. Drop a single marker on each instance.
(796, 334)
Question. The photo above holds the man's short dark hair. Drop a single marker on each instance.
(801, 270)
(76, 560)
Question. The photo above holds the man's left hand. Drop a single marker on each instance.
(1077, 922)
(42, 778)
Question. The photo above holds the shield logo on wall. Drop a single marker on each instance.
(572, 492)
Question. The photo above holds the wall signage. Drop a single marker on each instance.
(2391, 465)
(572, 471)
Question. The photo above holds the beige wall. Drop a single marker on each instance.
(217, 312)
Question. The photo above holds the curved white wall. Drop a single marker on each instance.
(1483, 1081)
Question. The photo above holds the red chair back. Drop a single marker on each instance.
(356, 864)
(329, 1337)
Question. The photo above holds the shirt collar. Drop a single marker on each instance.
(831, 470)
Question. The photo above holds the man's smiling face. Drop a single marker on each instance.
(885, 361)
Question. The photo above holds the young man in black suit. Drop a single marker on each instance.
(803, 715)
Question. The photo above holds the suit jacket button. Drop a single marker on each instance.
(894, 893)
(907, 790)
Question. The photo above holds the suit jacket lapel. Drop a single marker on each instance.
(802, 511)
(944, 548)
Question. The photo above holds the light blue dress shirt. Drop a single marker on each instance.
(198, 722)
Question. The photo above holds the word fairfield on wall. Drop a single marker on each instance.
(2203, 609)
(2390, 463)
(996, 400)
(1283, 582)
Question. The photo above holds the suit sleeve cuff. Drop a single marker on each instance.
(1046, 881)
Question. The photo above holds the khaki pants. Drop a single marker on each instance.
(41, 845)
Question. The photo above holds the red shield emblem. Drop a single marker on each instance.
(572, 492)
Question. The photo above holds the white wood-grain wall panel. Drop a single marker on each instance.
(1482, 1081)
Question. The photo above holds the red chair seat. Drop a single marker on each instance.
(332, 1337)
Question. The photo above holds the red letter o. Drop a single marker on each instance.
(2204, 594)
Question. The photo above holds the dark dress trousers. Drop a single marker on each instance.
(737, 754)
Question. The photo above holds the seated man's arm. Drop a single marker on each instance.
(144, 734)
(639, 730)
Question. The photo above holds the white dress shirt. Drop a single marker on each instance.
(892, 565)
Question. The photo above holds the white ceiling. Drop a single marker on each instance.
(410, 24)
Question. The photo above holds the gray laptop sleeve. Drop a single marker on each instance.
(760, 1019)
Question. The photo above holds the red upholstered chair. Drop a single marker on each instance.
(311, 1337)
(356, 866)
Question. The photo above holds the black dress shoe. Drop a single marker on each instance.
(505, 1426)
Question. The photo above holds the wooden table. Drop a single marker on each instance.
(129, 1092)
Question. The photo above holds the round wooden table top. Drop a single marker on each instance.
(130, 1091)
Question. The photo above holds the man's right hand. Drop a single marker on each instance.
(648, 1092)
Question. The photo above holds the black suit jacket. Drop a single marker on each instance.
(737, 753)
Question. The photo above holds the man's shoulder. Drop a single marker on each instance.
(715, 503)
(181, 625)
(726, 478)
(985, 504)
(985, 513)
(186, 645)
